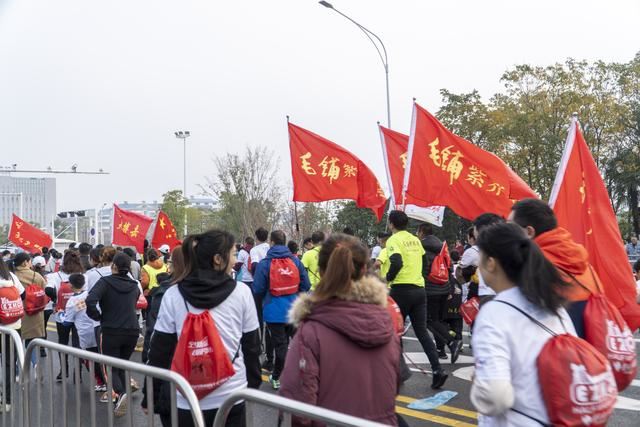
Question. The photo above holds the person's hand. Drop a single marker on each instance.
(146, 411)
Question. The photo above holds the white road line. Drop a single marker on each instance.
(635, 383)
(628, 404)
(419, 358)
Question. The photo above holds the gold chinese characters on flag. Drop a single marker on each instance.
(130, 228)
(322, 170)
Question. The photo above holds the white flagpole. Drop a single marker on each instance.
(385, 155)
(407, 171)
(568, 148)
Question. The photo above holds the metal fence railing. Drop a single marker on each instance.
(12, 360)
(287, 409)
(67, 408)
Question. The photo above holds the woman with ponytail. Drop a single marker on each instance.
(345, 354)
(506, 342)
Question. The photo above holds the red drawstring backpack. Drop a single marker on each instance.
(200, 355)
(142, 302)
(396, 316)
(577, 382)
(64, 293)
(469, 310)
(284, 277)
(35, 299)
(439, 273)
(607, 331)
(11, 309)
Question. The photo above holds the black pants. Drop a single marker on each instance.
(236, 417)
(122, 347)
(8, 378)
(280, 335)
(47, 315)
(412, 302)
(100, 379)
(64, 333)
(436, 309)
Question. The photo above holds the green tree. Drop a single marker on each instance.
(174, 204)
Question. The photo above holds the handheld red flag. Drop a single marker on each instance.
(581, 203)
(165, 232)
(28, 237)
(322, 170)
(129, 228)
(445, 169)
(394, 150)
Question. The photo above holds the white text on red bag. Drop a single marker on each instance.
(35, 300)
(11, 309)
(64, 293)
(284, 277)
(439, 273)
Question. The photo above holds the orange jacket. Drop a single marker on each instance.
(572, 259)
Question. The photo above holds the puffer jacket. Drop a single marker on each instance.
(345, 355)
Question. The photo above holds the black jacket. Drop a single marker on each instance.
(432, 247)
(117, 296)
(156, 294)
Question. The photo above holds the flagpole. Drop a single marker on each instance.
(385, 156)
(407, 171)
(568, 148)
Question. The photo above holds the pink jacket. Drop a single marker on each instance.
(345, 355)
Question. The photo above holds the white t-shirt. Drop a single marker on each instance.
(259, 252)
(472, 257)
(375, 252)
(506, 345)
(234, 317)
(244, 274)
(76, 312)
(13, 281)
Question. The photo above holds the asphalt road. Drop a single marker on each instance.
(457, 412)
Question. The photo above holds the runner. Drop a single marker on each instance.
(310, 258)
(381, 265)
(345, 354)
(32, 324)
(244, 261)
(206, 286)
(257, 254)
(506, 344)
(8, 280)
(407, 287)
(278, 268)
(149, 274)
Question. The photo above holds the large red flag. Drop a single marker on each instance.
(581, 203)
(165, 232)
(322, 170)
(445, 169)
(130, 228)
(27, 236)
(394, 150)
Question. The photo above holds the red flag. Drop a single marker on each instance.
(581, 203)
(130, 228)
(445, 169)
(28, 237)
(322, 170)
(165, 232)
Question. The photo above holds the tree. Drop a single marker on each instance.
(174, 204)
(248, 191)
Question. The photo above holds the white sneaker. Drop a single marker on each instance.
(121, 405)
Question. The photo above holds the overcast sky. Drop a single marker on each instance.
(105, 84)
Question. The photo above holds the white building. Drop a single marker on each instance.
(33, 199)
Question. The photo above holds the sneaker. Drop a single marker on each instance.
(134, 386)
(275, 384)
(59, 378)
(455, 347)
(105, 397)
(439, 378)
(5, 407)
(121, 405)
(267, 366)
(100, 388)
(442, 354)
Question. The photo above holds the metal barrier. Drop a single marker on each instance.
(175, 380)
(12, 340)
(288, 408)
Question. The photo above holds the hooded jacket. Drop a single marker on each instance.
(345, 355)
(572, 260)
(432, 247)
(32, 326)
(117, 296)
(275, 309)
(156, 294)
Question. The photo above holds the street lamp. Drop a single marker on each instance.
(183, 135)
(382, 54)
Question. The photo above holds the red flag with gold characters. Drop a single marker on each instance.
(28, 237)
(130, 228)
(581, 203)
(165, 232)
(445, 169)
(322, 170)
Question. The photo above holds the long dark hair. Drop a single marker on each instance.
(4, 270)
(71, 263)
(198, 251)
(524, 264)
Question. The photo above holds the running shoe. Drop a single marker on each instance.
(121, 405)
(267, 366)
(100, 388)
(442, 354)
(134, 386)
(439, 378)
(275, 384)
(455, 346)
(105, 397)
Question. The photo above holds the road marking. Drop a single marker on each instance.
(433, 418)
(420, 358)
(443, 408)
(628, 404)
(635, 383)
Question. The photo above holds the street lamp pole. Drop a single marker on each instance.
(382, 54)
(184, 135)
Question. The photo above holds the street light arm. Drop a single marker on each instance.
(369, 33)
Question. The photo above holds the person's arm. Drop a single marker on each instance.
(395, 265)
(144, 279)
(94, 297)
(70, 313)
(260, 279)
(250, 343)
(305, 283)
(50, 288)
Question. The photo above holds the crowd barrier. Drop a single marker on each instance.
(12, 361)
(287, 409)
(44, 369)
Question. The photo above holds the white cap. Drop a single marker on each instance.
(39, 261)
(164, 249)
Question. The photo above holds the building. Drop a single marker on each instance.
(33, 199)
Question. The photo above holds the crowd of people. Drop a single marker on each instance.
(324, 321)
